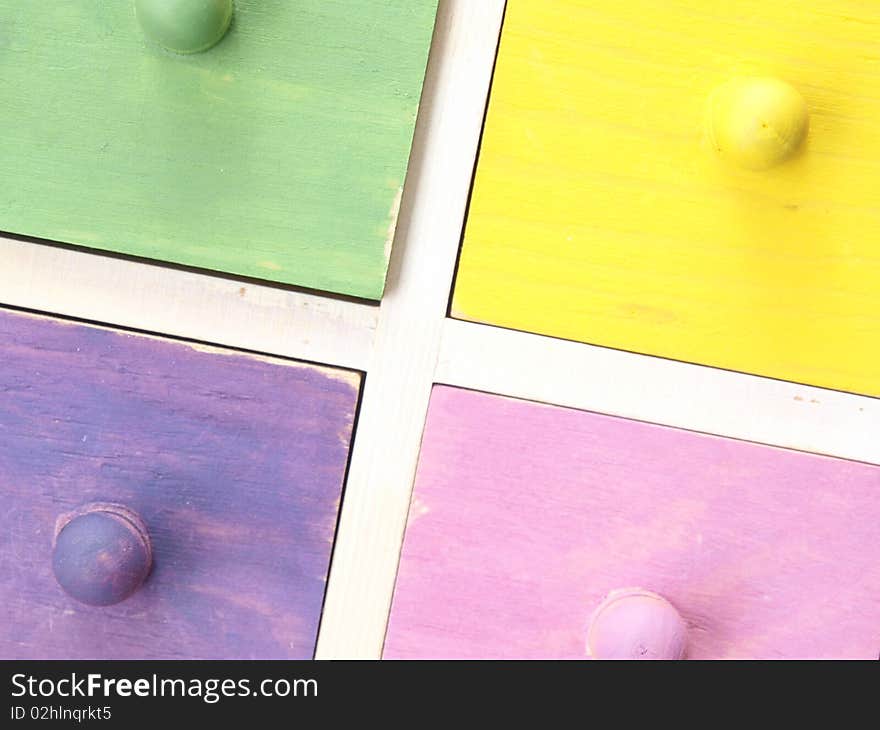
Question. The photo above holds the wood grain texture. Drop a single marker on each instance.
(278, 154)
(525, 515)
(600, 213)
(235, 464)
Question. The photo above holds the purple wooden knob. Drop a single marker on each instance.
(102, 553)
(636, 624)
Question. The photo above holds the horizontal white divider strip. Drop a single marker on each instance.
(661, 391)
(181, 303)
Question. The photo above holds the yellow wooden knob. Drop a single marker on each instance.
(757, 123)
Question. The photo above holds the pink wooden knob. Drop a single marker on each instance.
(636, 624)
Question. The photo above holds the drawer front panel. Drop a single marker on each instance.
(524, 516)
(234, 463)
(279, 154)
(602, 213)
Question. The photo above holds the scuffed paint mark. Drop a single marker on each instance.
(393, 214)
(418, 509)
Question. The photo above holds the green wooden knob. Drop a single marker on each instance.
(184, 26)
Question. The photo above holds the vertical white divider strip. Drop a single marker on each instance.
(407, 342)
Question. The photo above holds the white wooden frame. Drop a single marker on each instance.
(407, 343)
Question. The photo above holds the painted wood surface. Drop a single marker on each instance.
(235, 464)
(278, 154)
(267, 319)
(600, 213)
(525, 515)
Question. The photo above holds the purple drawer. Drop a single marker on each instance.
(234, 462)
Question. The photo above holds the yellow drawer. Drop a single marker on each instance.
(602, 211)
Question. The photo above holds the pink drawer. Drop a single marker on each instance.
(525, 515)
